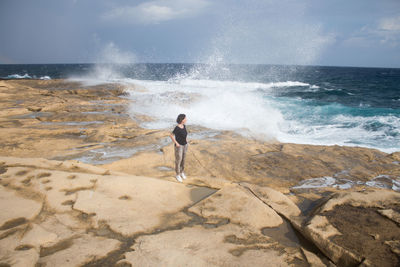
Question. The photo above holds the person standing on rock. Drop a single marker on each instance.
(178, 136)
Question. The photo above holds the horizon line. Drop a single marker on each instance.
(202, 63)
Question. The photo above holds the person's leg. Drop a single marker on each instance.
(178, 159)
(184, 150)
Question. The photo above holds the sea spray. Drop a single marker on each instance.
(111, 61)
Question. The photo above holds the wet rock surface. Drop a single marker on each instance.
(245, 202)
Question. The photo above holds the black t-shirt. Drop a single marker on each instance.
(180, 135)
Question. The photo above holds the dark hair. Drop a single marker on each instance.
(180, 118)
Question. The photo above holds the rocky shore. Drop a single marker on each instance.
(82, 184)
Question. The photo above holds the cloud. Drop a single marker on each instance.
(390, 24)
(385, 31)
(155, 12)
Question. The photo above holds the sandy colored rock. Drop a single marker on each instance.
(13, 253)
(275, 199)
(198, 246)
(15, 209)
(371, 198)
(312, 259)
(77, 252)
(25, 258)
(56, 187)
(64, 233)
(134, 204)
(69, 220)
(319, 225)
(41, 163)
(37, 237)
(240, 206)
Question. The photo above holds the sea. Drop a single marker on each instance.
(320, 105)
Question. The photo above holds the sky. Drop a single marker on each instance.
(363, 33)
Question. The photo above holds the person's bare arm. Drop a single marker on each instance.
(173, 140)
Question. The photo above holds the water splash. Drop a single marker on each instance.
(109, 65)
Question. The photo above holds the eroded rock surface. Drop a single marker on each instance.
(130, 205)
(357, 227)
(228, 245)
(224, 204)
(16, 210)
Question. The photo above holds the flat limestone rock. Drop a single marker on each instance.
(52, 225)
(38, 237)
(78, 251)
(131, 204)
(41, 163)
(15, 208)
(13, 253)
(198, 246)
(275, 199)
(23, 258)
(69, 220)
(57, 187)
(240, 206)
(372, 198)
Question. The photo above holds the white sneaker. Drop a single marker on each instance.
(183, 176)
(178, 177)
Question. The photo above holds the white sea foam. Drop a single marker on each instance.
(18, 76)
(235, 85)
(341, 130)
(27, 76)
(214, 104)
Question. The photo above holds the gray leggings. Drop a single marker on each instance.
(180, 155)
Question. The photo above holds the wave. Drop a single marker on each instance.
(335, 124)
(17, 76)
(236, 84)
(207, 103)
(26, 76)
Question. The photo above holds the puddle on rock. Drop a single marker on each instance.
(284, 234)
(111, 153)
(32, 115)
(381, 181)
(307, 205)
(287, 236)
(164, 168)
(199, 193)
(72, 123)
